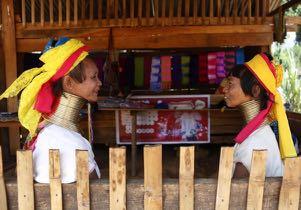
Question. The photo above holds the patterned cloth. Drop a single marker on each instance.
(240, 56)
(220, 66)
(166, 72)
(139, 71)
(155, 79)
(176, 71)
(211, 65)
(185, 62)
(203, 68)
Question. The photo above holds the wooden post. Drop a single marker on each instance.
(55, 180)
(75, 12)
(3, 201)
(290, 188)
(117, 178)
(186, 178)
(82, 180)
(60, 12)
(42, 16)
(256, 180)
(134, 143)
(10, 60)
(224, 178)
(67, 12)
(153, 177)
(25, 180)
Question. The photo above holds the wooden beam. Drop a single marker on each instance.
(285, 6)
(10, 60)
(205, 194)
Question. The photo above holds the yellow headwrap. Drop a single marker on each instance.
(270, 76)
(33, 79)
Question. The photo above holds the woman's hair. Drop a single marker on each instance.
(78, 74)
(247, 82)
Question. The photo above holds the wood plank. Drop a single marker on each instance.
(60, 12)
(67, 12)
(132, 11)
(205, 194)
(99, 12)
(3, 198)
(51, 11)
(256, 180)
(10, 61)
(25, 180)
(117, 178)
(186, 178)
(153, 177)
(91, 8)
(187, 8)
(171, 11)
(82, 180)
(23, 13)
(75, 12)
(224, 178)
(42, 13)
(33, 14)
(290, 188)
(55, 180)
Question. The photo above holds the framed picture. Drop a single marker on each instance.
(185, 121)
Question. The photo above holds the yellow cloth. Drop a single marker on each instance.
(32, 80)
(260, 67)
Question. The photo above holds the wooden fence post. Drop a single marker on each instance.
(256, 180)
(290, 188)
(55, 179)
(3, 202)
(224, 178)
(82, 180)
(117, 178)
(153, 177)
(25, 180)
(186, 178)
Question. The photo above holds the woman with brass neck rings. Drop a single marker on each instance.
(252, 88)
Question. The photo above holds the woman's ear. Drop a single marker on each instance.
(67, 83)
(256, 91)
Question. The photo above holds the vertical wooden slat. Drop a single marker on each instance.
(227, 10)
(116, 11)
(211, 11)
(25, 180)
(235, 5)
(51, 11)
(124, 11)
(171, 11)
(219, 11)
(179, 14)
(67, 12)
(263, 5)
(156, 8)
(224, 178)
(290, 188)
(242, 10)
(33, 14)
(83, 11)
(42, 14)
(163, 15)
(187, 8)
(186, 178)
(147, 11)
(60, 12)
(139, 12)
(132, 11)
(99, 12)
(256, 180)
(23, 13)
(257, 11)
(82, 180)
(3, 201)
(249, 11)
(91, 8)
(195, 10)
(117, 178)
(75, 12)
(55, 180)
(203, 11)
(153, 177)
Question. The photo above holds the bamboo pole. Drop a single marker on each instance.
(33, 14)
(60, 13)
(75, 12)
(68, 12)
(42, 14)
(51, 11)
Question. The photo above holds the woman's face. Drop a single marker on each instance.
(89, 88)
(234, 95)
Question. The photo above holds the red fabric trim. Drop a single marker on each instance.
(46, 98)
(268, 62)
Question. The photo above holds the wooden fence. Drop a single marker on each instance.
(153, 192)
(111, 13)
